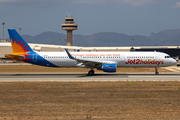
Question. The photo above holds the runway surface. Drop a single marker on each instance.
(73, 77)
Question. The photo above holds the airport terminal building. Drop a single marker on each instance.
(173, 51)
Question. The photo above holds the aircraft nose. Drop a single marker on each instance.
(173, 61)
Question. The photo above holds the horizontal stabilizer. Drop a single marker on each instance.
(19, 57)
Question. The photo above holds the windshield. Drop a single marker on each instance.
(167, 57)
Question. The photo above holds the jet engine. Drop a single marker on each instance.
(109, 67)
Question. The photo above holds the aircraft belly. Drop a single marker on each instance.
(64, 63)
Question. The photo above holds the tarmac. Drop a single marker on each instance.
(83, 77)
(173, 68)
(77, 77)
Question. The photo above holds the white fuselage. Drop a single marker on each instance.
(122, 59)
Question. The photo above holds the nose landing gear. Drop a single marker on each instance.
(156, 71)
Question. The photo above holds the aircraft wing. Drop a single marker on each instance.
(88, 63)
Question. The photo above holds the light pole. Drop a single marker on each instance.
(152, 38)
(19, 31)
(59, 41)
(3, 29)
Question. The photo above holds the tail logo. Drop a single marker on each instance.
(19, 48)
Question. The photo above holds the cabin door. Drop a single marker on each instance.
(123, 58)
(157, 57)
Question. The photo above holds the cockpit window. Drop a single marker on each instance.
(167, 56)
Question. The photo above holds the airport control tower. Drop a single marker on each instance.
(69, 26)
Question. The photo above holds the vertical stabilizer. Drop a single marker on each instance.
(18, 43)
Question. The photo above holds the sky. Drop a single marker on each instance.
(131, 17)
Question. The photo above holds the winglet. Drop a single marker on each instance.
(69, 55)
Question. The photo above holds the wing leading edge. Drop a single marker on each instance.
(87, 63)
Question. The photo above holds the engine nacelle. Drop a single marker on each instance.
(109, 67)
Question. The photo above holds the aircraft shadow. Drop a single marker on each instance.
(86, 75)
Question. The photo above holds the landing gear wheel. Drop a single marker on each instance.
(91, 72)
(157, 73)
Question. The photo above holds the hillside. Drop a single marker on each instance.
(165, 37)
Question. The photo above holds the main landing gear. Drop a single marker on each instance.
(91, 72)
(156, 71)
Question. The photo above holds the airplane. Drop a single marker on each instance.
(105, 61)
